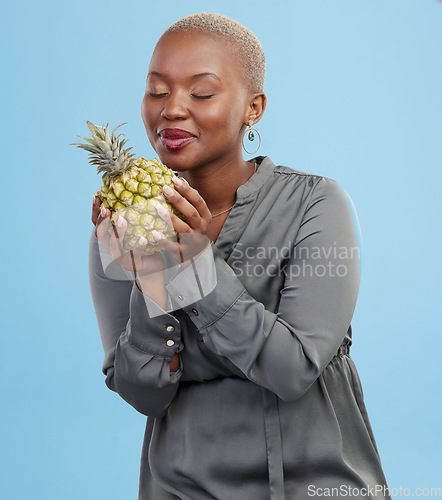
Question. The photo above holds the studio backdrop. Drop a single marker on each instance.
(354, 94)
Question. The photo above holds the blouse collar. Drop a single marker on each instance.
(239, 216)
(258, 179)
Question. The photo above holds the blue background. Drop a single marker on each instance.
(354, 93)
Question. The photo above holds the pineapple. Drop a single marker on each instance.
(131, 188)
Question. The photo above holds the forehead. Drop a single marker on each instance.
(182, 54)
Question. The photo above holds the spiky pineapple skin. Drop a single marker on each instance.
(134, 194)
(131, 188)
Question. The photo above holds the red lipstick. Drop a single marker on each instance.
(174, 139)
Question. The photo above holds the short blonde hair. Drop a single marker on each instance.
(240, 36)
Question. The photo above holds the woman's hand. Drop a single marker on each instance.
(112, 239)
(193, 237)
(149, 280)
(96, 206)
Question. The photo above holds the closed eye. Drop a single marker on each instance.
(202, 96)
(157, 95)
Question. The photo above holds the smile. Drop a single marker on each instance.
(175, 144)
(174, 139)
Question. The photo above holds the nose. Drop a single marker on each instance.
(174, 107)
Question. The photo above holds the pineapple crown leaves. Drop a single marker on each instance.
(106, 151)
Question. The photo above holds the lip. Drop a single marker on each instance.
(174, 139)
(175, 133)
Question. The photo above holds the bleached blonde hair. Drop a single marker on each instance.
(240, 36)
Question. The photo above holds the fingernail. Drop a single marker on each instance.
(177, 181)
(94, 199)
(156, 235)
(184, 180)
(120, 221)
(168, 190)
(142, 241)
(161, 210)
(103, 211)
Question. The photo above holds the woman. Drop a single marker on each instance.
(237, 349)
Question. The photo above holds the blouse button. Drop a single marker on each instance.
(180, 297)
(170, 343)
(170, 328)
(195, 312)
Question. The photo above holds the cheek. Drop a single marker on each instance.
(143, 110)
(223, 116)
(234, 110)
(147, 115)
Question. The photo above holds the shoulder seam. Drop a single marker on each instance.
(301, 174)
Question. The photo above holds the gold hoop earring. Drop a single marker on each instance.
(251, 137)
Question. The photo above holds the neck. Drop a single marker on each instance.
(218, 183)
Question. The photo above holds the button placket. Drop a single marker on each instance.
(170, 329)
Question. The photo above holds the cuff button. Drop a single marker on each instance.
(195, 312)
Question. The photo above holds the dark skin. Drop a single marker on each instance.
(215, 108)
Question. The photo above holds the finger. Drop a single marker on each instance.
(117, 237)
(172, 220)
(96, 205)
(193, 218)
(186, 247)
(102, 226)
(136, 254)
(192, 195)
(173, 246)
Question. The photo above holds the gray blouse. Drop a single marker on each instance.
(267, 403)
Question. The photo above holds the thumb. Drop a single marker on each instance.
(137, 253)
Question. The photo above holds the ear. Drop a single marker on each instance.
(256, 108)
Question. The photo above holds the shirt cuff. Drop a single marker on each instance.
(189, 285)
(151, 329)
(207, 288)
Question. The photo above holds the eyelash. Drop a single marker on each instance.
(202, 96)
(158, 96)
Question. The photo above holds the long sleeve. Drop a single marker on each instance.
(286, 350)
(138, 346)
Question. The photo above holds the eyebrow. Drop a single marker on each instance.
(207, 73)
(194, 77)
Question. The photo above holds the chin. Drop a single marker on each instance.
(176, 160)
(173, 162)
